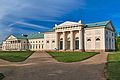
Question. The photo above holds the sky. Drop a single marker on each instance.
(29, 16)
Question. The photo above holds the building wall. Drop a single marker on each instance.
(109, 40)
(90, 39)
(8, 45)
(49, 41)
(36, 44)
(94, 39)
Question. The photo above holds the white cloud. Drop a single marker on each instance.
(44, 10)
(32, 25)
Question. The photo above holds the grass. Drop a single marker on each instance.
(15, 56)
(113, 66)
(1, 76)
(71, 56)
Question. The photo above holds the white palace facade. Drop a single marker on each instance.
(68, 36)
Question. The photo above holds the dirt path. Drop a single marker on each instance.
(40, 66)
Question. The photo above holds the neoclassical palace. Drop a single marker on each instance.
(67, 36)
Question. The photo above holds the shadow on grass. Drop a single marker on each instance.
(71, 56)
(1, 76)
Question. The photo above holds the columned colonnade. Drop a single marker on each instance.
(76, 41)
(12, 44)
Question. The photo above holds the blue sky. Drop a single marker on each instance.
(28, 16)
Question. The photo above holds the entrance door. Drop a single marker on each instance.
(76, 44)
(61, 45)
(68, 45)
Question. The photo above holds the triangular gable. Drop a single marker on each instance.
(68, 23)
(11, 37)
(110, 26)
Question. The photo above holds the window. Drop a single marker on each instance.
(97, 39)
(77, 38)
(53, 41)
(47, 41)
(39, 41)
(88, 39)
(33, 46)
(36, 46)
(112, 40)
(76, 44)
(39, 46)
(112, 34)
(42, 41)
(61, 45)
(18, 41)
(61, 38)
(42, 46)
(36, 41)
(106, 32)
(68, 39)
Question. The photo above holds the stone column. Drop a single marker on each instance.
(64, 42)
(71, 41)
(80, 40)
(56, 41)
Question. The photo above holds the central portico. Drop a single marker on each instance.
(69, 36)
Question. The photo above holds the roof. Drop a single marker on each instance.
(20, 36)
(68, 23)
(103, 23)
(51, 30)
(35, 35)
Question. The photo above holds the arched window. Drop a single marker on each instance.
(47, 41)
(97, 39)
(88, 39)
(77, 38)
(68, 39)
(61, 39)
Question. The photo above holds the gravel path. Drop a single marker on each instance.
(40, 66)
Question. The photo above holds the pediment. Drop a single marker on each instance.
(11, 37)
(68, 23)
(110, 26)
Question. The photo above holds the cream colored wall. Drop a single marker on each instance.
(36, 44)
(50, 43)
(93, 33)
(14, 46)
(51, 39)
(69, 28)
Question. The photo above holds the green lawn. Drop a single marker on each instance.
(71, 56)
(113, 66)
(15, 56)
